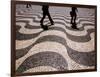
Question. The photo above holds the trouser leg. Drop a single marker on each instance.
(52, 22)
(44, 15)
(29, 5)
(71, 19)
(26, 5)
(75, 19)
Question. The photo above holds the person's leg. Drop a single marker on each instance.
(74, 23)
(71, 19)
(75, 18)
(44, 15)
(26, 5)
(52, 22)
(43, 26)
(29, 5)
(71, 14)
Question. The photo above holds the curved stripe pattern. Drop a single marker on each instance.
(44, 59)
(71, 49)
(20, 36)
(41, 68)
(63, 42)
(36, 21)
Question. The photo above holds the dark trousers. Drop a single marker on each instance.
(28, 5)
(44, 15)
(73, 18)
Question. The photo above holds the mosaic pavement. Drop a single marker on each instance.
(60, 48)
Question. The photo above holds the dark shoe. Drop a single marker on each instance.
(52, 23)
(74, 27)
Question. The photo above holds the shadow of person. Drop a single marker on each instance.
(73, 15)
(45, 27)
(45, 9)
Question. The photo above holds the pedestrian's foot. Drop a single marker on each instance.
(74, 27)
(52, 23)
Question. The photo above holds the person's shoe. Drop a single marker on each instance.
(52, 23)
(74, 27)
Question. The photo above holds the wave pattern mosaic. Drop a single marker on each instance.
(60, 47)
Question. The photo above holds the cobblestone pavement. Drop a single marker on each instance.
(60, 48)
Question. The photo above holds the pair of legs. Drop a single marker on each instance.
(46, 13)
(28, 5)
(73, 20)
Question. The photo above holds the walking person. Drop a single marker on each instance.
(73, 17)
(45, 9)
